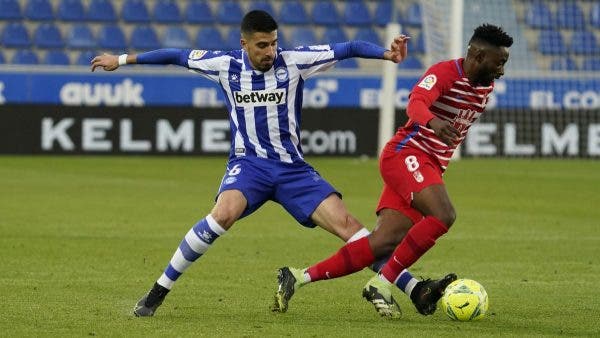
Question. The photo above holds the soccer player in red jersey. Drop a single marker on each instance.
(414, 209)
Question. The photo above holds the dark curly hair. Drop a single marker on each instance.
(491, 34)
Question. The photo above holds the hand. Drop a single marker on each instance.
(445, 131)
(106, 61)
(398, 49)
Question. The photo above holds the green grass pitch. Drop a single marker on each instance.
(82, 238)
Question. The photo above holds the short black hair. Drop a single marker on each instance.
(258, 21)
(491, 34)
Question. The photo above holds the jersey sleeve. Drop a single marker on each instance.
(207, 63)
(435, 82)
(311, 60)
(314, 59)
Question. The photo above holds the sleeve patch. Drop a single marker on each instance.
(428, 82)
(313, 48)
(319, 47)
(197, 54)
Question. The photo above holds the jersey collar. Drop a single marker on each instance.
(247, 64)
(459, 66)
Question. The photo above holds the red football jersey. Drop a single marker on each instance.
(449, 96)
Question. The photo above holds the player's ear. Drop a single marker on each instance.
(479, 54)
(481, 57)
(476, 51)
(244, 39)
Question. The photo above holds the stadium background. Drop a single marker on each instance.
(82, 236)
(47, 44)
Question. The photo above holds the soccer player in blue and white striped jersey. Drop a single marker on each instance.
(262, 85)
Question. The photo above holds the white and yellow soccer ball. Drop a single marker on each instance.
(465, 300)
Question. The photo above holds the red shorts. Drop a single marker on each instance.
(405, 173)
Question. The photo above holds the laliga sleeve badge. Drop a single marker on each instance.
(428, 82)
(197, 54)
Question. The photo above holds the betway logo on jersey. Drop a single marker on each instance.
(259, 98)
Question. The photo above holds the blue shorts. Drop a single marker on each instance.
(298, 187)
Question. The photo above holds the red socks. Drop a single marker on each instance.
(352, 257)
(420, 238)
(357, 255)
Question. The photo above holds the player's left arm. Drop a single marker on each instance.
(314, 59)
(364, 49)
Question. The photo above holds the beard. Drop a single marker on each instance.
(265, 64)
(484, 78)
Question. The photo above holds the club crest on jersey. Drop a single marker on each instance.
(281, 74)
(428, 82)
(259, 98)
(197, 54)
(418, 176)
(465, 116)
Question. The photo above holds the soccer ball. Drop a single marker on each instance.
(465, 300)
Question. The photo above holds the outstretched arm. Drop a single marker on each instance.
(397, 52)
(160, 56)
(398, 49)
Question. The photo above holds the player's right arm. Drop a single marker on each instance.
(203, 62)
(428, 90)
(418, 111)
(157, 57)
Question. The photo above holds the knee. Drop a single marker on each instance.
(229, 207)
(225, 216)
(446, 216)
(223, 219)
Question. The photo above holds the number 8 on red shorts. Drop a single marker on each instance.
(406, 172)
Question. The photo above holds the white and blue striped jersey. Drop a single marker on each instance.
(264, 107)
